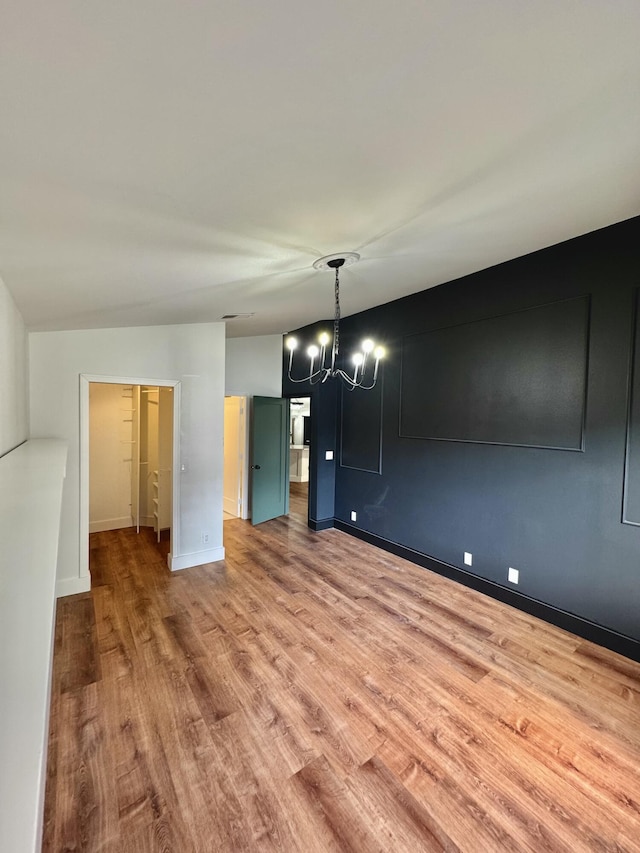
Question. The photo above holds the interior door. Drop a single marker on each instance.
(269, 459)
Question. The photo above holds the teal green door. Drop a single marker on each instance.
(269, 459)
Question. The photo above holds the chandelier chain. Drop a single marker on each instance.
(336, 321)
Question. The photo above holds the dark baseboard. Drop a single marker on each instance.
(575, 624)
(322, 524)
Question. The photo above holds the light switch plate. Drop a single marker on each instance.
(328, 455)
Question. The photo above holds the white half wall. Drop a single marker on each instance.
(14, 393)
(30, 500)
(192, 355)
(253, 366)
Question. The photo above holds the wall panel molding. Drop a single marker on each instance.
(631, 486)
(516, 379)
(361, 429)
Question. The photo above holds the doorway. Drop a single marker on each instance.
(299, 450)
(239, 434)
(235, 503)
(131, 451)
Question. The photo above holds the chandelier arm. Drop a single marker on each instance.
(373, 381)
(366, 387)
(351, 385)
(325, 373)
(342, 374)
(311, 377)
(304, 379)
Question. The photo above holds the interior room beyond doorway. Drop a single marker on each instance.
(299, 447)
(131, 459)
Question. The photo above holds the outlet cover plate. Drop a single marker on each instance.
(354, 515)
(514, 575)
(468, 558)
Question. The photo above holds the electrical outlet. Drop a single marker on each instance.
(514, 575)
(468, 558)
(328, 455)
(354, 515)
(205, 538)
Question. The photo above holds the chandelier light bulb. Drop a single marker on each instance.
(358, 358)
(291, 343)
(379, 353)
(367, 345)
(324, 338)
(313, 351)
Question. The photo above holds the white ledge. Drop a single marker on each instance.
(31, 480)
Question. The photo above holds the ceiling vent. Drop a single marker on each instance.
(235, 316)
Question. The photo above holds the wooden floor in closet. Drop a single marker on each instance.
(312, 693)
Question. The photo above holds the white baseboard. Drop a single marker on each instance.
(199, 558)
(110, 524)
(72, 586)
(230, 506)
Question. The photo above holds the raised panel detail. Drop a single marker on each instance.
(361, 432)
(631, 499)
(516, 379)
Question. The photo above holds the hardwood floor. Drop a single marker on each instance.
(312, 693)
(299, 501)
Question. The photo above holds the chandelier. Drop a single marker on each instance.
(323, 357)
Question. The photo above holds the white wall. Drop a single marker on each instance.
(191, 354)
(14, 413)
(254, 366)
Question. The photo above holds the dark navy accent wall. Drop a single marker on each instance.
(554, 514)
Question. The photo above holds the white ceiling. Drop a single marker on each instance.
(170, 162)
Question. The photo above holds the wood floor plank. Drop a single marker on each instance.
(325, 792)
(92, 813)
(400, 821)
(81, 666)
(311, 693)
(115, 642)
